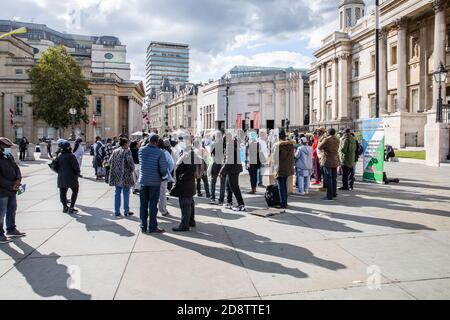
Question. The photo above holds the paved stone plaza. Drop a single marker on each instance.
(316, 250)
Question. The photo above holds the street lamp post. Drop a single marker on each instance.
(73, 112)
(227, 107)
(440, 76)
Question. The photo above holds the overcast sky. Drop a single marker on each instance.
(221, 33)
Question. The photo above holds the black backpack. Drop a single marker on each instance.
(273, 196)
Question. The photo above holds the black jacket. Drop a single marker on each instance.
(135, 155)
(218, 154)
(233, 164)
(9, 174)
(185, 179)
(68, 170)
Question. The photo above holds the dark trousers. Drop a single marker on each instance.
(283, 190)
(22, 153)
(233, 188)
(318, 170)
(346, 171)
(187, 206)
(107, 171)
(331, 181)
(352, 176)
(63, 196)
(253, 177)
(205, 184)
(223, 183)
(149, 197)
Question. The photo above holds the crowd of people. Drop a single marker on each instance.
(179, 166)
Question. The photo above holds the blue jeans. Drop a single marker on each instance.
(222, 188)
(330, 181)
(303, 182)
(149, 207)
(8, 208)
(282, 187)
(126, 200)
(260, 176)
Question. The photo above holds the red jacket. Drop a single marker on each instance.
(314, 147)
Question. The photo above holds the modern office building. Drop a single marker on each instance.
(104, 54)
(166, 61)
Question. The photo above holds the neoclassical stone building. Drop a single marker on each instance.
(275, 95)
(182, 109)
(414, 41)
(116, 103)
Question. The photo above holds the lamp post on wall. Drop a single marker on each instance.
(73, 113)
(440, 76)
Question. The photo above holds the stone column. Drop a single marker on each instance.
(383, 72)
(30, 152)
(323, 93)
(424, 80)
(319, 94)
(336, 84)
(440, 39)
(343, 87)
(402, 62)
(437, 134)
(43, 148)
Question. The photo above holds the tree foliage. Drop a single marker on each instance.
(57, 84)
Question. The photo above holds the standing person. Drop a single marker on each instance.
(97, 160)
(284, 162)
(135, 154)
(304, 166)
(184, 188)
(358, 153)
(49, 148)
(68, 173)
(316, 160)
(253, 162)
(347, 150)
(10, 181)
(329, 146)
(108, 151)
(218, 154)
(153, 169)
(165, 147)
(231, 170)
(78, 151)
(23, 144)
(262, 140)
(121, 176)
(204, 155)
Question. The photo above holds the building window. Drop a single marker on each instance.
(373, 107)
(393, 55)
(373, 63)
(356, 109)
(393, 102)
(251, 98)
(357, 14)
(19, 133)
(348, 17)
(40, 133)
(51, 133)
(189, 109)
(19, 106)
(414, 100)
(329, 75)
(189, 122)
(269, 99)
(98, 106)
(19, 72)
(356, 68)
(328, 112)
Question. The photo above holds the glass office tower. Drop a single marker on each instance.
(166, 61)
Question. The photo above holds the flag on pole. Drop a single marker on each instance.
(11, 116)
(256, 120)
(146, 118)
(94, 120)
(239, 121)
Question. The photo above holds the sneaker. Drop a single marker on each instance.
(326, 199)
(4, 239)
(73, 211)
(179, 229)
(345, 189)
(228, 206)
(307, 192)
(129, 214)
(199, 195)
(15, 234)
(118, 216)
(239, 208)
(301, 193)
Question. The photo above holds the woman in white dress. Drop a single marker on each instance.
(78, 151)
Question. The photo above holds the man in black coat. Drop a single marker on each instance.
(68, 172)
(10, 181)
(184, 188)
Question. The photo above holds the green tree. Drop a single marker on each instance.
(57, 84)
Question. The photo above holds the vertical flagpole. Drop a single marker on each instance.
(377, 58)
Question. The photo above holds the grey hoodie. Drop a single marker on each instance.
(303, 158)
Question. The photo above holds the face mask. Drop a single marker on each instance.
(183, 145)
(7, 152)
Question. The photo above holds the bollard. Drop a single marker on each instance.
(44, 153)
(30, 152)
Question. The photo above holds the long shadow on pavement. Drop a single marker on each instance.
(43, 273)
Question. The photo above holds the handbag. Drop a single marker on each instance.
(54, 165)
